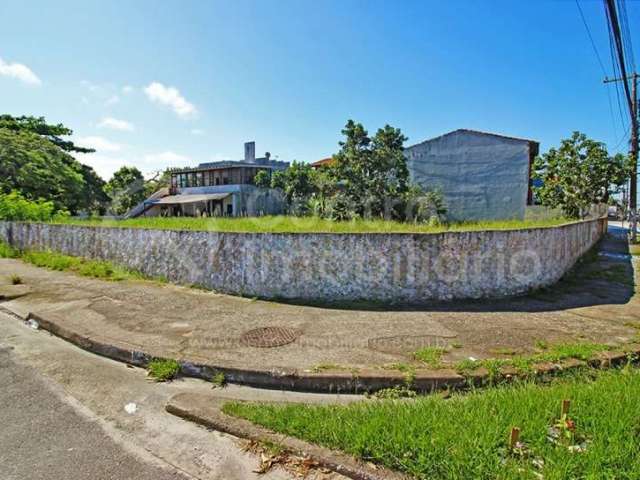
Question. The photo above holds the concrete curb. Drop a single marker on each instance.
(325, 382)
(278, 379)
(204, 410)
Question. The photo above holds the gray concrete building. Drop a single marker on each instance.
(216, 189)
(482, 176)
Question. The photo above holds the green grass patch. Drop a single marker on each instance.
(6, 251)
(88, 268)
(82, 266)
(431, 356)
(163, 370)
(525, 363)
(466, 435)
(289, 224)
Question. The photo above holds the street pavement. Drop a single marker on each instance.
(63, 417)
(42, 437)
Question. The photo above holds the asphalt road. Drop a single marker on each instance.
(42, 437)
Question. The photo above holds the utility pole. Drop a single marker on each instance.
(633, 150)
(632, 102)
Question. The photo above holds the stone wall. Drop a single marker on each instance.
(331, 267)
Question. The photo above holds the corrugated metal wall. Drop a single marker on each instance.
(482, 176)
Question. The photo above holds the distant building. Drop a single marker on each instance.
(482, 176)
(325, 162)
(224, 188)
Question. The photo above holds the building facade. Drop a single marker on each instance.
(225, 188)
(482, 176)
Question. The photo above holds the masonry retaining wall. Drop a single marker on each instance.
(331, 267)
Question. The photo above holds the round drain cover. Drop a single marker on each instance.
(268, 337)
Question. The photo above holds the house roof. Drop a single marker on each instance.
(479, 132)
(182, 199)
(324, 161)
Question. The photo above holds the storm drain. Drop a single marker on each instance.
(269, 337)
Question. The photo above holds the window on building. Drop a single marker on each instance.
(225, 181)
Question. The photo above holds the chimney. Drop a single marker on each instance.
(267, 155)
(250, 152)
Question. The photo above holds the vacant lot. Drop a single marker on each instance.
(287, 224)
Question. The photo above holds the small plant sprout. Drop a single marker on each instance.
(16, 280)
(219, 380)
(163, 370)
(564, 431)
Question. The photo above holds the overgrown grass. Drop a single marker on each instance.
(524, 363)
(88, 268)
(6, 251)
(466, 435)
(82, 266)
(163, 370)
(289, 224)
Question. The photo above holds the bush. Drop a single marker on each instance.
(13, 206)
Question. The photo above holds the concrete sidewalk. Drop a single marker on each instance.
(225, 331)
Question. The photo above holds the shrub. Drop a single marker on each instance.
(13, 206)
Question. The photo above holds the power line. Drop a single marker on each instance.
(626, 34)
(614, 63)
(615, 27)
(604, 70)
(593, 44)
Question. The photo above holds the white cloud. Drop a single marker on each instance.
(166, 159)
(20, 72)
(112, 100)
(99, 143)
(115, 124)
(106, 164)
(171, 97)
(197, 131)
(127, 89)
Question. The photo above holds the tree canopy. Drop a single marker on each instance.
(373, 171)
(126, 189)
(579, 173)
(34, 160)
(368, 178)
(39, 126)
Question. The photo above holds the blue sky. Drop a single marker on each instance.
(157, 84)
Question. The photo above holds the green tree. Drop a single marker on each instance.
(577, 174)
(297, 184)
(161, 179)
(262, 179)
(33, 142)
(40, 170)
(39, 126)
(372, 172)
(126, 189)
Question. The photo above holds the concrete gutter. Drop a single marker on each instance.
(203, 410)
(324, 382)
(282, 379)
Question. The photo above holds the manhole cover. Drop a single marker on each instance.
(268, 337)
(405, 343)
